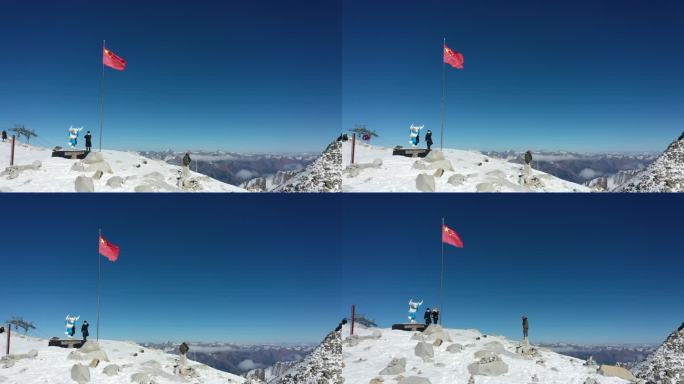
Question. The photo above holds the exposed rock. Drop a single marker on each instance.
(414, 380)
(111, 370)
(80, 373)
(97, 175)
(485, 187)
(613, 371)
(141, 378)
(84, 184)
(74, 355)
(144, 188)
(424, 350)
(425, 183)
(395, 367)
(433, 156)
(438, 342)
(438, 173)
(101, 166)
(488, 366)
(591, 380)
(94, 363)
(456, 179)
(454, 348)
(115, 182)
(590, 362)
(665, 364)
(93, 157)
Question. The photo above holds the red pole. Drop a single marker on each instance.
(12, 155)
(353, 146)
(9, 330)
(353, 314)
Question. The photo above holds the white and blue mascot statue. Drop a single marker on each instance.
(414, 135)
(413, 308)
(71, 325)
(73, 136)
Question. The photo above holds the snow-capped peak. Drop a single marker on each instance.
(666, 364)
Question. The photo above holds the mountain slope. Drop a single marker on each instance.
(666, 364)
(322, 366)
(377, 170)
(385, 355)
(665, 174)
(323, 175)
(53, 365)
(122, 172)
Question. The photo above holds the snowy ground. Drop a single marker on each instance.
(364, 361)
(479, 173)
(52, 365)
(56, 175)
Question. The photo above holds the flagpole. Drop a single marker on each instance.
(441, 281)
(99, 278)
(441, 132)
(102, 96)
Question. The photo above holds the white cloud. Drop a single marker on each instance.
(246, 174)
(588, 173)
(248, 364)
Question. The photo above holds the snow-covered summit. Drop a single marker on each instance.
(119, 362)
(37, 171)
(323, 175)
(377, 170)
(666, 364)
(665, 174)
(446, 356)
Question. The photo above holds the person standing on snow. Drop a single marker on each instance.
(4, 135)
(88, 141)
(84, 330)
(426, 316)
(435, 316)
(186, 164)
(525, 326)
(428, 139)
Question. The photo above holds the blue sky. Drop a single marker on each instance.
(586, 75)
(584, 268)
(235, 268)
(260, 76)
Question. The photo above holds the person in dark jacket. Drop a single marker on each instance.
(84, 330)
(2, 329)
(525, 325)
(88, 141)
(4, 136)
(186, 165)
(428, 139)
(435, 316)
(528, 157)
(426, 316)
(339, 326)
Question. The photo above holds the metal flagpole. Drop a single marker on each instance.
(102, 96)
(441, 131)
(99, 277)
(441, 282)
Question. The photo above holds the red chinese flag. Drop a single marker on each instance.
(449, 236)
(111, 60)
(453, 58)
(108, 250)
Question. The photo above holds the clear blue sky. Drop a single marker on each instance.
(584, 268)
(235, 268)
(258, 75)
(587, 75)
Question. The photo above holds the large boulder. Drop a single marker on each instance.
(454, 348)
(111, 370)
(90, 346)
(84, 184)
(433, 156)
(414, 380)
(485, 187)
(80, 373)
(115, 182)
(613, 371)
(93, 157)
(141, 378)
(395, 367)
(102, 166)
(443, 164)
(78, 167)
(424, 350)
(425, 183)
(488, 366)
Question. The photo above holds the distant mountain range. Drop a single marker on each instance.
(238, 359)
(624, 354)
(237, 168)
(579, 167)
